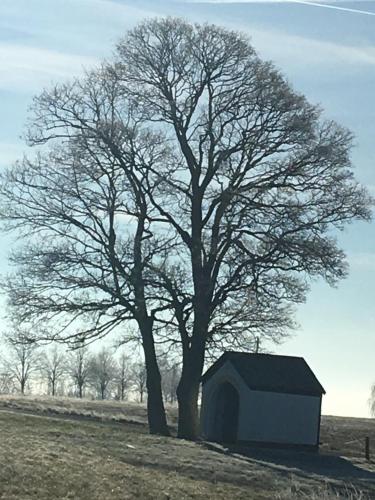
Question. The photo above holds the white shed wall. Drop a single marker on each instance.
(279, 418)
(263, 416)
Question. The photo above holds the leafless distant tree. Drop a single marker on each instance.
(7, 382)
(78, 368)
(372, 401)
(139, 379)
(123, 375)
(170, 373)
(53, 367)
(23, 359)
(102, 372)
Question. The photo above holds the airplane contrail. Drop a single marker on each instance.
(327, 6)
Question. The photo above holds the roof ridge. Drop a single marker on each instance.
(263, 354)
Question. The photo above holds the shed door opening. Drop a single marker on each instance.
(227, 407)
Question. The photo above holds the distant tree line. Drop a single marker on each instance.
(54, 370)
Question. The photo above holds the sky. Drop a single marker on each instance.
(327, 52)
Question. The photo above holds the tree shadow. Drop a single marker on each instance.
(302, 463)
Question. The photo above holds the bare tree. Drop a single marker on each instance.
(372, 401)
(53, 367)
(187, 187)
(7, 382)
(23, 359)
(88, 221)
(102, 372)
(139, 379)
(257, 184)
(123, 375)
(78, 368)
(170, 370)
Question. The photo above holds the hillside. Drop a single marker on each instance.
(69, 449)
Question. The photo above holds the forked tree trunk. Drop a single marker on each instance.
(157, 419)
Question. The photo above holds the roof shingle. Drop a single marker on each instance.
(270, 372)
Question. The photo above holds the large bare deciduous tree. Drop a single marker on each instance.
(87, 220)
(187, 187)
(258, 181)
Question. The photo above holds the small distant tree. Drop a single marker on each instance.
(372, 401)
(139, 378)
(23, 359)
(53, 368)
(7, 382)
(102, 372)
(78, 368)
(123, 375)
(170, 373)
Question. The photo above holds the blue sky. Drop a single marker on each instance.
(327, 51)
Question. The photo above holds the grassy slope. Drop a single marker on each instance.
(102, 456)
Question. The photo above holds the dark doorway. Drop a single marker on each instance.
(226, 416)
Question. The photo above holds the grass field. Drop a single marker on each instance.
(74, 449)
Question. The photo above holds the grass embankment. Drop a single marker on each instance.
(98, 450)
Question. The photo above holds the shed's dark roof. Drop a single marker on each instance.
(270, 372)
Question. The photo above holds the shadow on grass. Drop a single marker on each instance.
(304, 464)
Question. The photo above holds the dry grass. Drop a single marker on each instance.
(349, 492)
(101, 450)
(48, 458)
(95, 410)
(346, 436)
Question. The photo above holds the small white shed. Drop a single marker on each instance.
(261, 399)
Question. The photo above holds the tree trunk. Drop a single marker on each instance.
(80, 390)
(188, 390)
(157, 419)
(188, 419)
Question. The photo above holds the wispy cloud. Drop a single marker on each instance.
(364, 261)
(299, 51)
(327, 5)
(30, 68)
